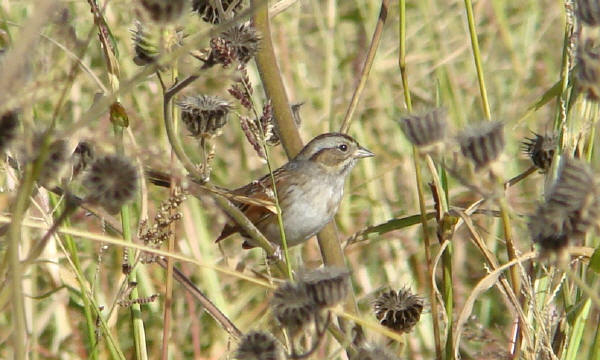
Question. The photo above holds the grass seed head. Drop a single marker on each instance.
(111, 182)
(425, 129)
(482, 143)
(327, 286)
(204, 115)
(258, 345)
(292, 307)
(398, 310)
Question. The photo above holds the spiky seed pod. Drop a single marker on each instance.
(482, 143)
(399, 310)
(327, 286)
(426, 129)
(204, 115)
(238, 43)
(55, 166)
(540, 150)
(588, 68)
(374, 353)
(83, 155)
(146, 51)
(111, 182)
(547, 228)
(588, 12)
(164, 11)
(9, 122)
(292, 307)
(208, 11)
(258, 345)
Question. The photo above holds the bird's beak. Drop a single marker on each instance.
(362, 153)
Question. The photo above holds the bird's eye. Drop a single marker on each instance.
(343, 147)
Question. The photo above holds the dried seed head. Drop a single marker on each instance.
(9, 122)
(426, 129)
(239, 43)
(55, 166)
(588, 12)
(204, 115)
(399, 311)
(258, 345)
(571, 209)
(82, 156)
(540, 150)
(292, 307)
(327, 286)
(164, 11)
(146, 51)
(209, 12)
(111, 182)
(374, 353)
(483, 143)
(588, 68)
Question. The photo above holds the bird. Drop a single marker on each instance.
(309, 190)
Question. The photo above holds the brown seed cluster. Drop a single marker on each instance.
(111, 182)
(327, 286)
(258, 345)
(482, 143)
(398, 310)
(571, 209)
(426, 129)
(204, 115)
(239, 43)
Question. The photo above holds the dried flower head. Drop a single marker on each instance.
(55, 166)
(82, 156)
(540, 150)
(588, 12)
(374, 353)
(327, 286)
(258, 345)
(9, 122)
(292, 307)
(571, 209)
(204, 115)
(146, 51)
(238, 43)
(588, 68)
(426, 129)
(164, 11)
(482, 143)
(399, 310)
(111, 182)
(208, 11)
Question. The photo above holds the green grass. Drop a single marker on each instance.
(517, 54)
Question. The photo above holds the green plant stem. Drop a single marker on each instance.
(364, 75)
(402, 53)
(477, 58)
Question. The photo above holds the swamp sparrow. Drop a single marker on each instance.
(309, 189)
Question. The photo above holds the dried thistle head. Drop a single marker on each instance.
(588, 68)
(9, 122)
(571, 209)
(426, 129)
(54, 167)
(258, 345)
(164, 11)
(374, 353)
(588, 12)
(399, 311)
(208, 11)
(482, 143)
(111, 182)
(204, 115)
(83, 155)
(144, 46)
(327, 286)
(540, 149)
(238, 43)
(292, 307)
